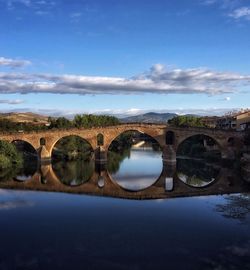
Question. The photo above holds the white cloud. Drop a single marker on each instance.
(209, 2)
(239, 13)
(11, 102)
(13, 62)
(76, 15)
(158, 80)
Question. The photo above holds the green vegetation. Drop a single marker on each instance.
(186, 121)
(10, 126)
(9, 156)
(79, 121)
(123, 141)
(73, 173)
(115, 159)
(72, 148)
(83, 121)
(194, 147)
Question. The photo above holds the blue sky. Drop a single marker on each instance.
(124, 57)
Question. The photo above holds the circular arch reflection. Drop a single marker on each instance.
(134, 160)
(198, 161)
(29, 160)
(73, 160)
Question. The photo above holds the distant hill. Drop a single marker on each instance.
(25, 117)
(150, 117)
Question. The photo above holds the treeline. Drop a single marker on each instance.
(83, 121)
(7, 125)
(79, 121)
(187, 121)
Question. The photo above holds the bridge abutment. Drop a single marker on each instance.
(44, 155)
(101, 155)
(168, 154)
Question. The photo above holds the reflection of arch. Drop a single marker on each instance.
(29, 160)
(208, 141)
(42, 141)
(197, 173)
(100, 139)
(170, 138)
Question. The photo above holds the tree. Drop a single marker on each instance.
(186, 121)
(9, 155)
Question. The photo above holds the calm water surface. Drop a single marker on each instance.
(45, 230)
(40, 230)
(140, 169)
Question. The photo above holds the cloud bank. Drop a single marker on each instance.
(13, 63)
(158, 80)
(11, 102)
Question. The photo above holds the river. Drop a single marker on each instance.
(58, 230)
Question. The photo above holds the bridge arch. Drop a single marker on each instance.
(134, 129)
(183, 139)
(57, 139)
(127, 177)
(24, 142)
(68, 136)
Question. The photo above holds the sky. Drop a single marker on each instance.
(124, 57)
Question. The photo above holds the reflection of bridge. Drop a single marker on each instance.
(102, 184)
(169, 139)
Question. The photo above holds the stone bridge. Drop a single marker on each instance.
(168, 137)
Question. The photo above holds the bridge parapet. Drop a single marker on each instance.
(44, 141)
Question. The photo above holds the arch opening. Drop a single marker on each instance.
(73, 160)
(170, 137)
(42, 141)
(29, 160)
(198, 160)
(100, 139)
(134, 160)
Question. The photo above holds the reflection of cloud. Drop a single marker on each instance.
(135, 182)
(6, 205)
(243, 250)
(235, 256)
